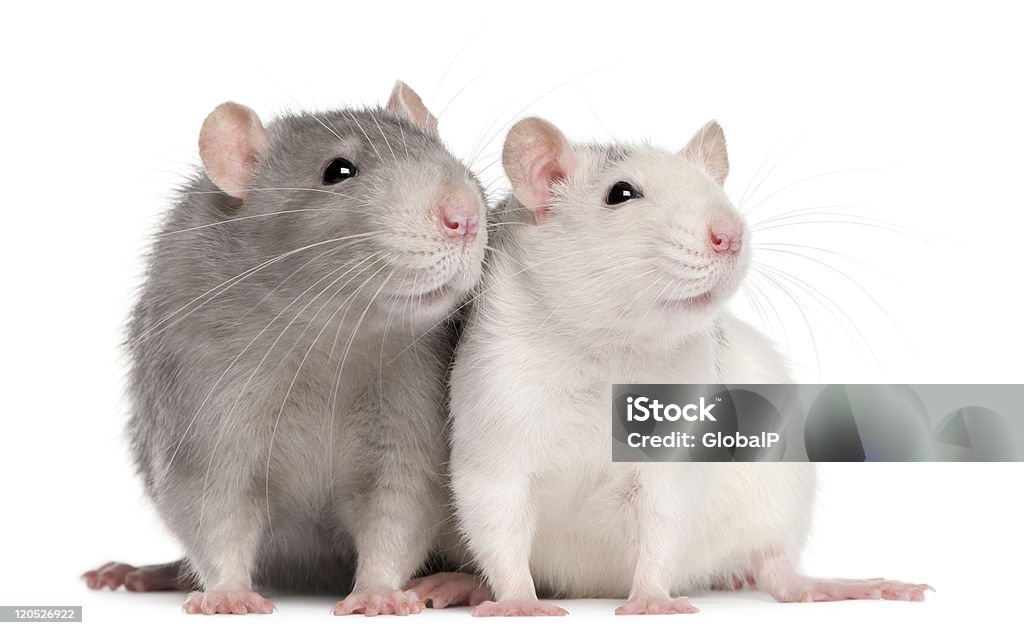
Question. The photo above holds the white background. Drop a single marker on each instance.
(904, 119)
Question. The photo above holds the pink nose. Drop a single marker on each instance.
(459, 219)
(725, 236)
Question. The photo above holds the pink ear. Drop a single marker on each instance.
(404, 102)
(230, 143)
(707, 150)
(536, 155)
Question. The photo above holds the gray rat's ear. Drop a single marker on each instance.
(230, 142)
(536, 154)
(404, 102)
(707, 150)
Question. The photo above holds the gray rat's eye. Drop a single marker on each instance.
(622, 192)
(338, 170)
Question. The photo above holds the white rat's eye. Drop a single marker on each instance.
(622, 192)
(338, 170)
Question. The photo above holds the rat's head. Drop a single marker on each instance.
(370, 200)
(634, 241)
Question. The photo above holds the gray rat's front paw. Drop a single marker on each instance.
(380, 603)
(227, 603)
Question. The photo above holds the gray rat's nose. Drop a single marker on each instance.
(459, 218)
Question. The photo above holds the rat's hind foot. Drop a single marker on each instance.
(158, 577)
(450, 589)
(380, 603)
(109, 576)
(517, 608)
(227, 603)
(656, 606)
(832, 589)
(779, 578)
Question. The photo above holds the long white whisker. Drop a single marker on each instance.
(226, 425)
(224, 286)
(365, 136)
(295, 377)
(799, 307)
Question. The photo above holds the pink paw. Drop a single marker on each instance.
(517, 608)
(830, 590)
(450, 589)
(379, 603)
(656, 606)
(227, 603)
(158, 577)
(109, 576)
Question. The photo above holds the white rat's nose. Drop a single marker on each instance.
(725, 234)
(459, 217)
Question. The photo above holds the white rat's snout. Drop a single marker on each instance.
(725, 233)
(705, 260)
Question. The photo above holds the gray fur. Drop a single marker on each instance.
(224, 395)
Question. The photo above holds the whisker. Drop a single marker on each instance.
(776, 248)
(228, 426)
(530, 104)
(231, 365)
(282, 189)
(231, 282)
(448, 69)
(838, 222)
(298, 370)
(800, 309)
(241, 218)
(381, 130)
(752, 179)
(781, 220)
(456, 95)
(828, 303)
(366, 136)
(278, 286)
(766, 300)
(749, 211)
(329, 129)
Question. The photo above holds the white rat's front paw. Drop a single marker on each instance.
(374, 603)
(517, 608)
(656, 606)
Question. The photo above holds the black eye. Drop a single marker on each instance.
(622, 192)
(338, 170)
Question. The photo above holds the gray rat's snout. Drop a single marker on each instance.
(459, 216)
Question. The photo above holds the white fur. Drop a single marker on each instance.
(569, 307)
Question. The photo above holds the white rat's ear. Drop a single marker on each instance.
(536, 155)
(404, 102)
(231, 141)
(707, 150)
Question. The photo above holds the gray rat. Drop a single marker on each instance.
(288, 357)
(617, 269)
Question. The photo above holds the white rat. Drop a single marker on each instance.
(615, 269)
